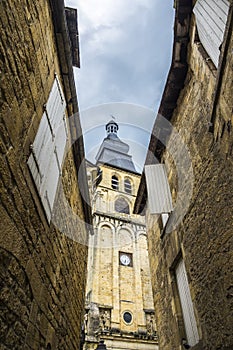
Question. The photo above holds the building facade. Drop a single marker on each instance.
(119, 302)
(42, 256)
(190, 226)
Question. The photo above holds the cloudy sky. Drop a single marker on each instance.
(125, 48)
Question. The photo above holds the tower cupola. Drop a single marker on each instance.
(111, 128)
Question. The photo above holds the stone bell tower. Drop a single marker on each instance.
(119, 302)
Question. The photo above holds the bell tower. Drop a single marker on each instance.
(119, 302)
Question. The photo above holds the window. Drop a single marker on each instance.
(48, 148)
(127, 316)
(115, 182)
(121, 206)
(186, 304)
(128, 187)
(211, 18)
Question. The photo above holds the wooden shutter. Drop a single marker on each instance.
(211, 18)
(39, 158)
(186, 304)
(159, 195)
(45, 161)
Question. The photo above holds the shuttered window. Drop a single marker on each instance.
(159, 195)
(127, 186)
(211, 18)
(186, 304)
(48, 148)
(115, 182)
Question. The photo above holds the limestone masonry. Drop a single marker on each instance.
(191, 260)
(119, 301)
(42, 270)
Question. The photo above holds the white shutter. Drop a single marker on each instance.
(50, 186)
(56, 105)
(60, 142)
(186, 304)
(39, 159)
(159, 195)
(211, 18)
(45, 161)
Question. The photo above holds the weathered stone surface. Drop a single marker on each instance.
(204, 237)
(112, 288)
(42, 270)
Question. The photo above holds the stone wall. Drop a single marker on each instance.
(42, 270)
(204, 238)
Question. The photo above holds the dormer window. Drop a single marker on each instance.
(115, 182)
(128, 186)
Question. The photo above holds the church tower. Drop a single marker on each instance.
(119, 302)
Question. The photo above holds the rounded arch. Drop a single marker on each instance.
(105, 223)
(115, 181)
(141, 233)
(128, 185)
(125, 227)
(142, 240)
(122, 205)
(125, 238)
(105, 234)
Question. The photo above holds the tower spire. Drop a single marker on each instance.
(113, 151)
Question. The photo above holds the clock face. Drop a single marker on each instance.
(125, 259)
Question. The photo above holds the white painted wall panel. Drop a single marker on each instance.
(211, 18)
(186, 304)
(159, 195)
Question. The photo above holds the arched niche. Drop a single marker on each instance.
(125, 240)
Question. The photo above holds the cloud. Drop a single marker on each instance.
(125, 51)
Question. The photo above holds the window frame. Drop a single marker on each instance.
(128, 185)
(115, 182)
